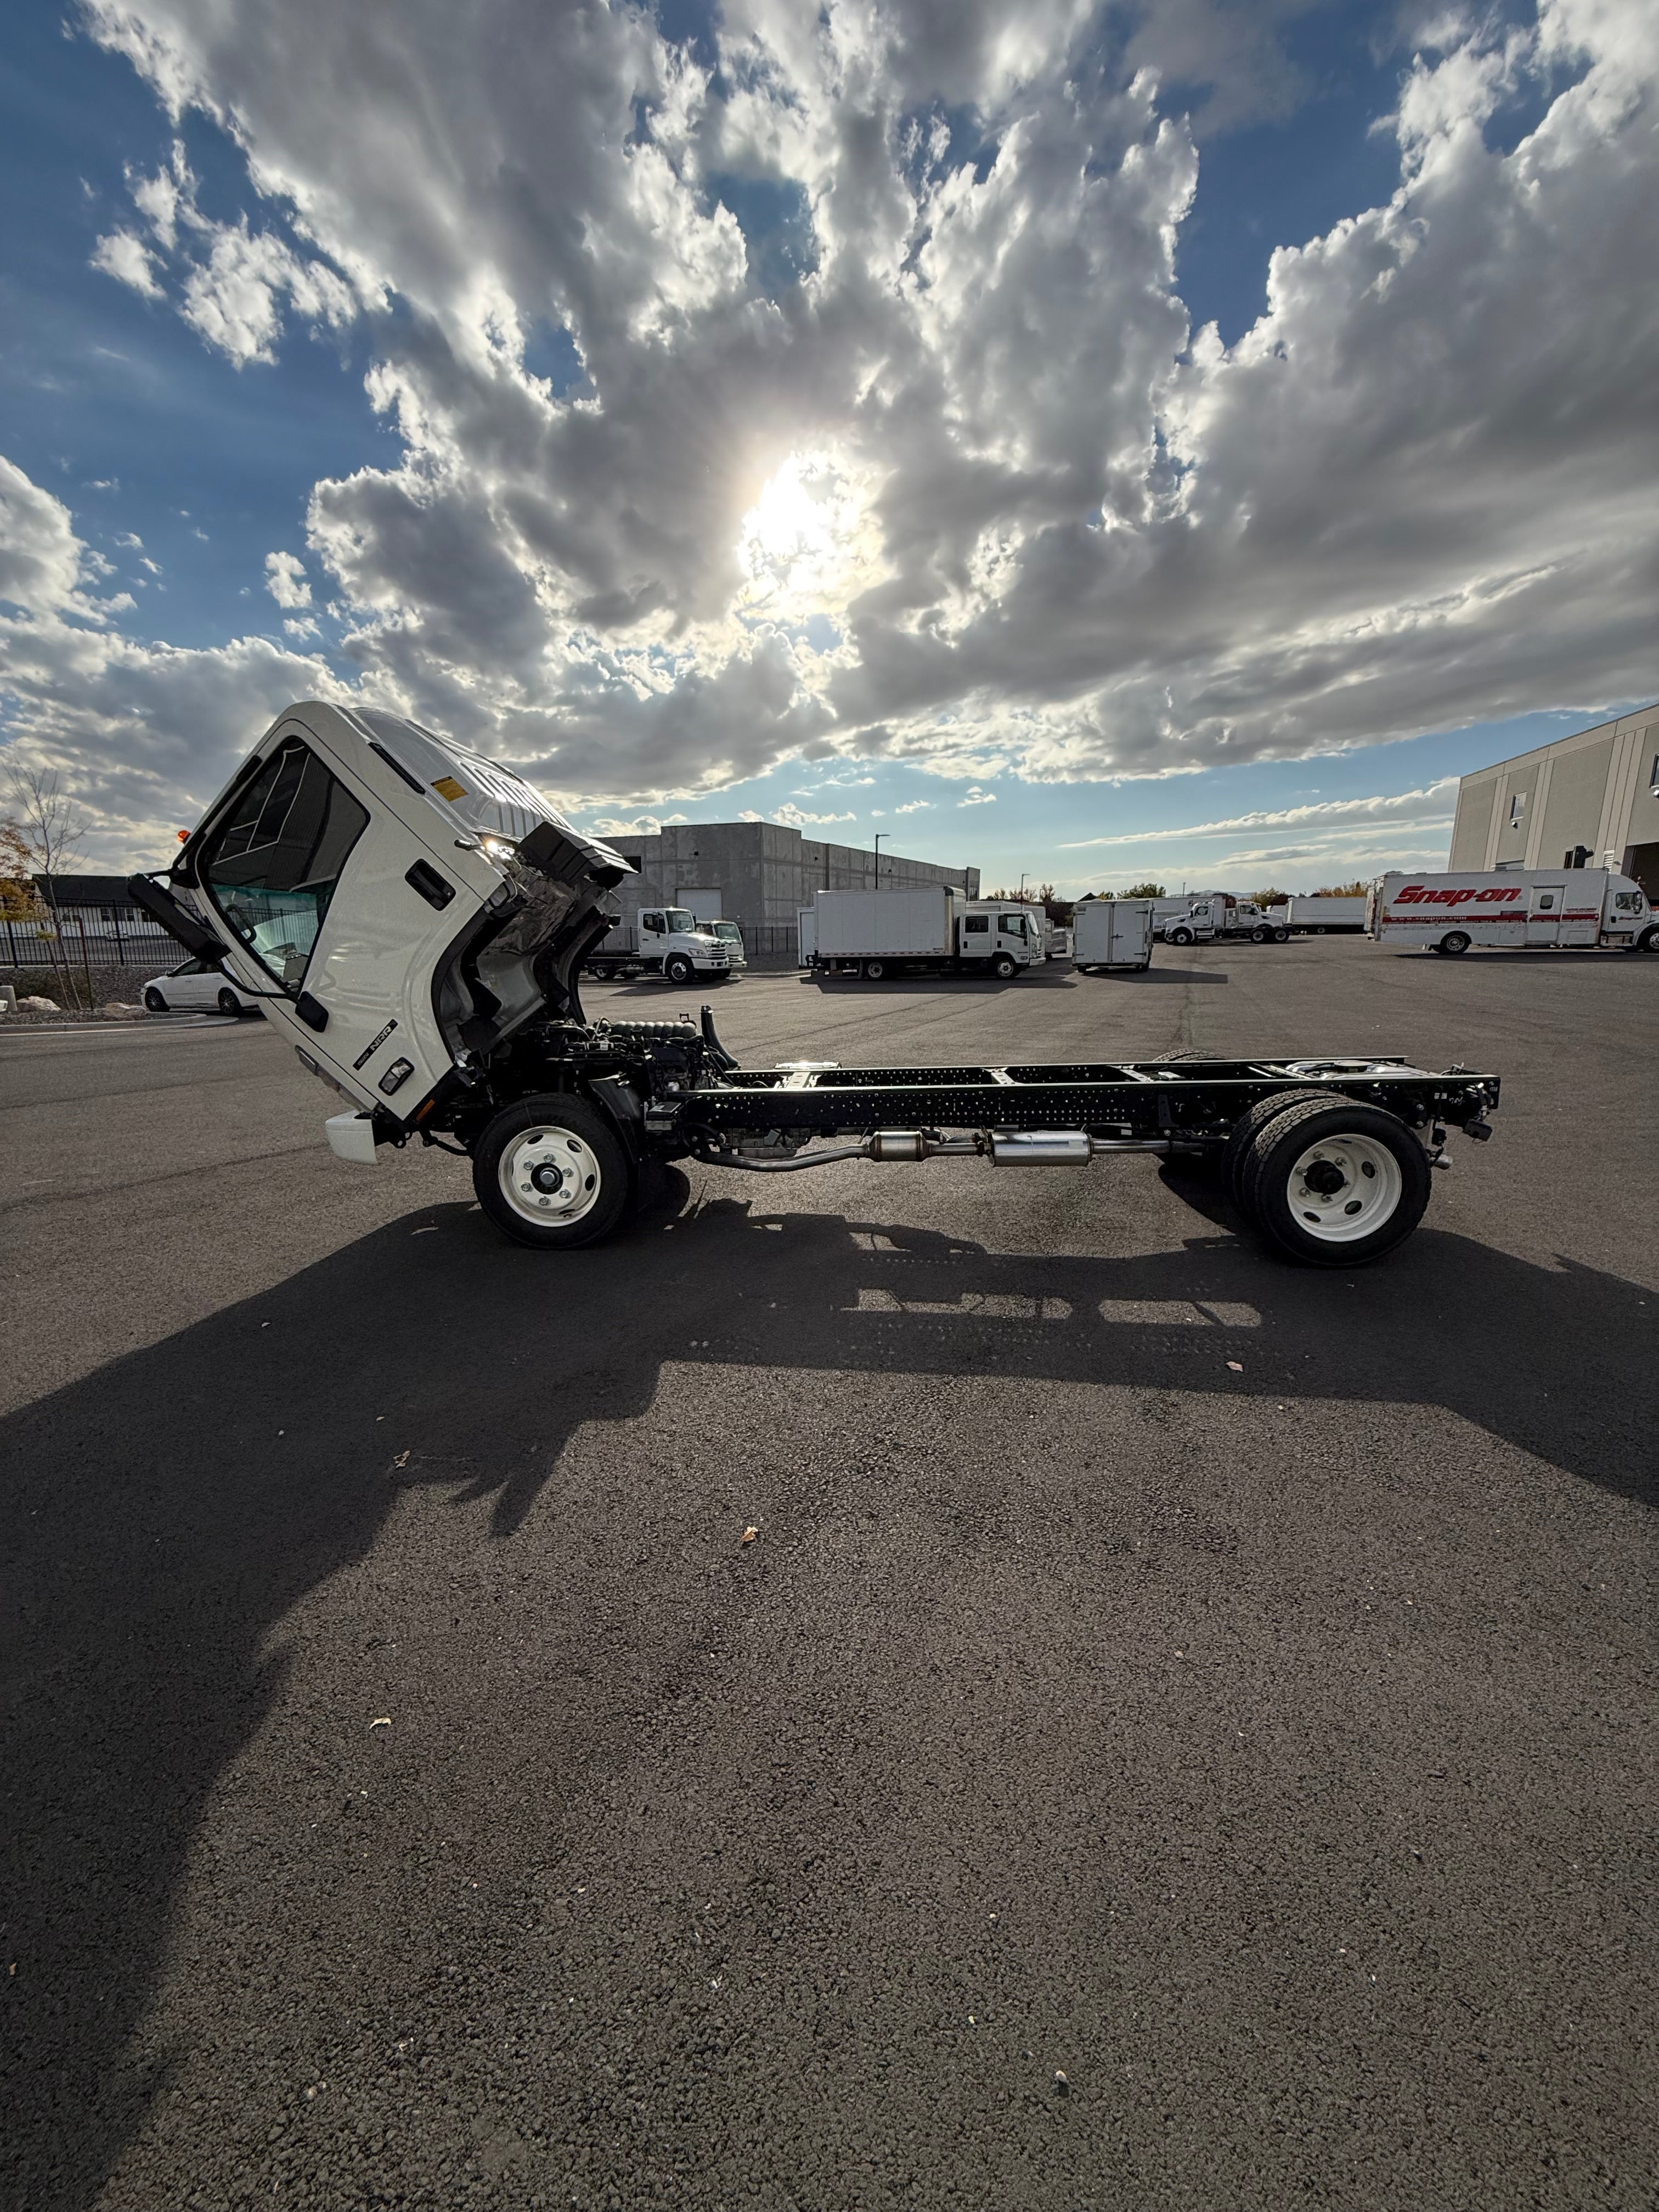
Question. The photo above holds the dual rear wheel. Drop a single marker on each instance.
(1330, 1182)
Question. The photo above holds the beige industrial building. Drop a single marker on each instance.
(1587, 801)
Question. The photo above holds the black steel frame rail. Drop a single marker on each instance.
(1197, 1098)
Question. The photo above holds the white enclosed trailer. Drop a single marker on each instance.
(1112, 933)
(915, 933)
(1321, 916)
(1516, 907)
(413, 917)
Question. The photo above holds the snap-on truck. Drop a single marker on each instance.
(935, 931)
(414, 918)
(1521, 907)
(1108, 933)
(664, 940)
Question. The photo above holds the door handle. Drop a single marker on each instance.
(432, 887)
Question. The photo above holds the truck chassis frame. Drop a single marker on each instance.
(670, 1090)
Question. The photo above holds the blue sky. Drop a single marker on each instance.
(628, 430)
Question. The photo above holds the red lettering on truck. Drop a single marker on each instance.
(1457, 895)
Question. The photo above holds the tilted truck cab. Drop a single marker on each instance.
(413, 917)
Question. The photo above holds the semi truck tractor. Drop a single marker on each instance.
(413, 917)
(1218, 918)
(935, 931)
(1108, 933)
(1521, 908)
(664, 940)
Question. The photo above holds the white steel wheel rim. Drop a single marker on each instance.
(1368, 1196)
(549, 1175)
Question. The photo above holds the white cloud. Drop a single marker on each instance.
(978, 798)
(121, 255)
(300, 626)
(972, 445)
(793, 817)
(1424, 809)
(914, 806)
(285, 579)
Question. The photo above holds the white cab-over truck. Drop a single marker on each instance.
(1517, 907)
(1321, 916)
(1217, 918)
(1109, 933)
(413, 917)
(664, 940)
(919, 933)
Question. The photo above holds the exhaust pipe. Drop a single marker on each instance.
(1040, 1148)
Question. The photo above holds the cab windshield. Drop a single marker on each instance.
(680, 918)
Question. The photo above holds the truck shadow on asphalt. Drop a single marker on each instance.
(166, 1513)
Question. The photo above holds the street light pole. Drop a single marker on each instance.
(880, 833)
(1022, 874)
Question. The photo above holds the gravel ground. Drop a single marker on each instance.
(1179, 1737)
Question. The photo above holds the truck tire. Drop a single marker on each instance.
(1454, 940)
(678, 968)
(1005, 967)
(1181, 937)
(1261, 934)
(1334, 1183)
(1248, 1128)
(552, 1173)
(1283, 936)
(1648, 941)
(873, 971)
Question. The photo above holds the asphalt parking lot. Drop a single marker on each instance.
(1181, 1734)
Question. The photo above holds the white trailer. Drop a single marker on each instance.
(915, 933)
(664, 941)
(807, 927)
(1517, 907)
(1112, 933)
(1321, 916)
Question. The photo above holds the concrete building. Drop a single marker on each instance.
(759, 872)
(1589, 800)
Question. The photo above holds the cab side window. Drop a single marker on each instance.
(1012, 925)
(977, 925)
(652, 922)
(271, 866)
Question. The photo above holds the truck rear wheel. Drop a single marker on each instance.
(552, 1173)
(1248, 1128)
(1335, 1184)
(874, 971)
(1454, 940)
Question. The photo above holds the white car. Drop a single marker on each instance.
(194, 988)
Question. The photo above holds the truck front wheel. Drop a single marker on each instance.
(1648, 941)
(678, 968)
(1181, 937)
(1005, 967)
(552, 1173)
(1334, 1185)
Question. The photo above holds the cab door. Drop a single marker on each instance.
(1544, 905)
(346, 912)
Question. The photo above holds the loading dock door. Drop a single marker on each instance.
(704, 904)
(1544, 913)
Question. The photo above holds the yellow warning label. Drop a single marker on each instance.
(449, 788)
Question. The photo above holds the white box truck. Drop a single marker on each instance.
(1111, 934)
(1523, 907)
(917, 933)
(1321, 916)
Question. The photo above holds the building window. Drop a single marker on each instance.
(1653, 776)
(1518, 808)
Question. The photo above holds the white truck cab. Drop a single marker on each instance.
(663, 941)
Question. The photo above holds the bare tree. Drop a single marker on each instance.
(53, 826)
